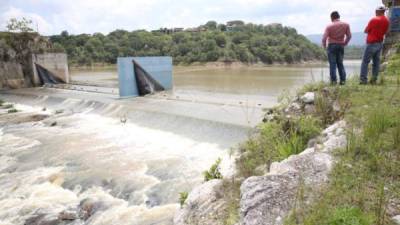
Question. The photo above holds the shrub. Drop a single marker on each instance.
(214, 172)
(182, 198)
(13, 110)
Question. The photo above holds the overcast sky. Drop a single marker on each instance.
(90, 16)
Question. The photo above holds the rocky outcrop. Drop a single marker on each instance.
(16, 51)
(204, 205)
(268, 199)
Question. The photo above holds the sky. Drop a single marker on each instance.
(91, 16)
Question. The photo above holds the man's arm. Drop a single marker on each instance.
(325, 37)
(368, 28)
(348, 35)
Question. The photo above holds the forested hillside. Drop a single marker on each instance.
(247, 43)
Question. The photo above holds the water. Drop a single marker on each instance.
(252, 81)
(128, 158)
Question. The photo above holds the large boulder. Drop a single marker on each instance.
(268, 200)
(204, 205)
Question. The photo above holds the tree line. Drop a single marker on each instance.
(247, 43)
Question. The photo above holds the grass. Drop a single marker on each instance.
(1, 102)
(275, 141)
(366, 178)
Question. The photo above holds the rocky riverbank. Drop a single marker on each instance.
(269, 199)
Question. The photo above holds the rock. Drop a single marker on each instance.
(204, 205)
(311, 143)
(313, 167)
(308, 98)
(263, 169)
(266, 199)
(310, 109)
(43, 219)
(396, 219)
(68, 215)
(335, 142)
(269, 199)
(88, 207)
(294, 109)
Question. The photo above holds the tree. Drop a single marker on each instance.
(249, 43)
(220, 38)
(23, 25)
(211, 25)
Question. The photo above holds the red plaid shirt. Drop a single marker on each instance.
(337, 32)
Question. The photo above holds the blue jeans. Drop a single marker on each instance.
(335, 57)
(373, 51)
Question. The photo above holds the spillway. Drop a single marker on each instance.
(73, 148)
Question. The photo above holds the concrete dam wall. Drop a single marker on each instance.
(20, 52)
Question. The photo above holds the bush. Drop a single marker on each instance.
(182, 198)
(214, 172)
(13, 110)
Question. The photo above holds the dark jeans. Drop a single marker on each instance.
(335, 57)
(373, 51)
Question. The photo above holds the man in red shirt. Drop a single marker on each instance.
(338, 35)
(376, 30)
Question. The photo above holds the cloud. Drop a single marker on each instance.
(38, 21)
(89, 16)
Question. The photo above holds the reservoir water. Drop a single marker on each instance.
(81, 158)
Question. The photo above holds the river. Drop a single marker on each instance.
(85, 159)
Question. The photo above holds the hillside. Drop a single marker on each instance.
(247, 43)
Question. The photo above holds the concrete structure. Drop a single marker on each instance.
(160, 68)
(57, 63)
(394, 35)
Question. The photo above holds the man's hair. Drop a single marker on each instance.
(335, 15)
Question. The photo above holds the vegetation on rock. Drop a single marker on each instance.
(214, 172)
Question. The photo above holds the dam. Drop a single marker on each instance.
(81, 154)
(78, 153)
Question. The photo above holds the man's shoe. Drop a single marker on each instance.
(342, 83)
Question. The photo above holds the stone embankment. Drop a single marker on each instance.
(270, 198)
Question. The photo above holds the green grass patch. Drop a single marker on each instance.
(275, 141)
(1, 102)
